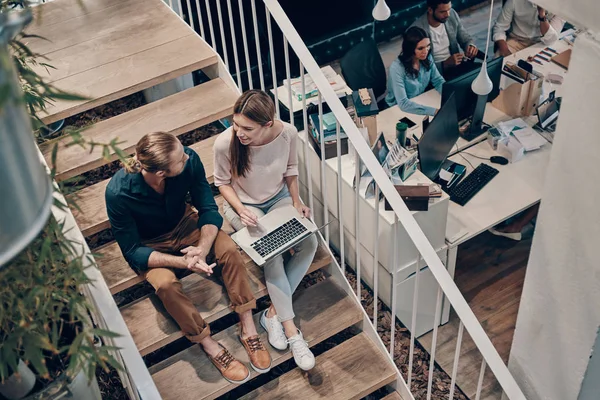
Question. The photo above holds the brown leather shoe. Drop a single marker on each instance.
(231, 369)
(260, 359)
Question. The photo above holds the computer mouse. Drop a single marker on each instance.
(499, 160)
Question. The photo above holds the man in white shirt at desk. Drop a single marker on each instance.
(447, 33)
(527, 24)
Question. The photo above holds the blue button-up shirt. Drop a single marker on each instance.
(402, 87)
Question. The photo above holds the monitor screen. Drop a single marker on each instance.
(463, 94)
(438, 139)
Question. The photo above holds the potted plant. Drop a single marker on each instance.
(49, 347)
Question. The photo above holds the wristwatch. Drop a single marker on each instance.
(543, 19)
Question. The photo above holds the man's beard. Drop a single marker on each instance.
(442, 21)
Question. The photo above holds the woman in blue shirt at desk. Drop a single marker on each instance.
(411, 73)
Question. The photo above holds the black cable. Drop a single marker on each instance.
(473, 155)
(466, 160)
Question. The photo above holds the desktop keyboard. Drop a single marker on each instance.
(463, 191)
(279, 237)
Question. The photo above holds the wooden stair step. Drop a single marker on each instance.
(176, 114)
(321, 310)
(350, 370)
(130, 74)
(152, 328)
(116, 271)
(92, 217)
(393, 396)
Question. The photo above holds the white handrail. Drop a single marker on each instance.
(413, 230)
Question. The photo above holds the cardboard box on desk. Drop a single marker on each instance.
(520, 99)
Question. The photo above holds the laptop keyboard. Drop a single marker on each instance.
(279, 237)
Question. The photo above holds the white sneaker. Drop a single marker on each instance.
(274, 330)
(304, 358)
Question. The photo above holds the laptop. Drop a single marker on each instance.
(547, 114)
(277, 232)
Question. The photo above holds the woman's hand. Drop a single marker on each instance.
(302, 209)
(248, 217)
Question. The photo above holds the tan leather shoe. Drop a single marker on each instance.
(231, 369)
(260, 359)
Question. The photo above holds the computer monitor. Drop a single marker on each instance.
(438, 139)
(469, 105)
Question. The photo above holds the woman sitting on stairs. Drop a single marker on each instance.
(256, 171)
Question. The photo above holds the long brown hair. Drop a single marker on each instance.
(152, 153)
(257, 106)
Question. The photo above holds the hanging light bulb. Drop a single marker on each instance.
(482, 85)
(381, 12)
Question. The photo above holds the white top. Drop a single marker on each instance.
(441, 43)
(521, 18)
(270, 164)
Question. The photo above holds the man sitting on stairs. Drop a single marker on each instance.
(160, 235)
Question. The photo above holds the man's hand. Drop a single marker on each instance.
(198, 264)
(192, 251)
(503, 48)
(454, 60)
(248, 217)
(471, 52)
(302, 209)
(541, 12)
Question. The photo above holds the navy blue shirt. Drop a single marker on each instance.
(137, 212)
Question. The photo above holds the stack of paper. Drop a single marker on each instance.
(310, 88)
(529, 138)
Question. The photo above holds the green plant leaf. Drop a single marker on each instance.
(105, 333)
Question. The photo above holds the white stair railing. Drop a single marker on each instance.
(402, 218)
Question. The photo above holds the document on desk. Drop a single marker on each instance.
(530, 139)
(507, 127)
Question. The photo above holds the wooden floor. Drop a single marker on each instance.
(490, 272)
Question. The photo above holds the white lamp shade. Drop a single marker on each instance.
(381, 12)
(482, 85)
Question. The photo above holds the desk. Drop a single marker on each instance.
(284, 98)
(386, 120)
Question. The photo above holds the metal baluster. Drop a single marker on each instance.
(306, 145)
(480, 381)
(222, 30)
(245, 41)
(189, 10)
(272, 52)
(461, 328)
(289, 78)
(179, 9)
(200, 22)
(413, 323)
(339, 196)
(323, 166)
(436, 322)
(171, 4)
(394, 284)
(376, 257)
(213, 41)
(357, 221)
(234, 40)
(257, 41)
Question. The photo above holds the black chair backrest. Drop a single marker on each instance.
(362, 67)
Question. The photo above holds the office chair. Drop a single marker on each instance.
(362, 67)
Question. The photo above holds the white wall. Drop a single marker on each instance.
(560, 308)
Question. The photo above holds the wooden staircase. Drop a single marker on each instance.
(109, 49)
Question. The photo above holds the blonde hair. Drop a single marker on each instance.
(152, 153)
(257, 106)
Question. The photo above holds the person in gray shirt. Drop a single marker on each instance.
(451, 45)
